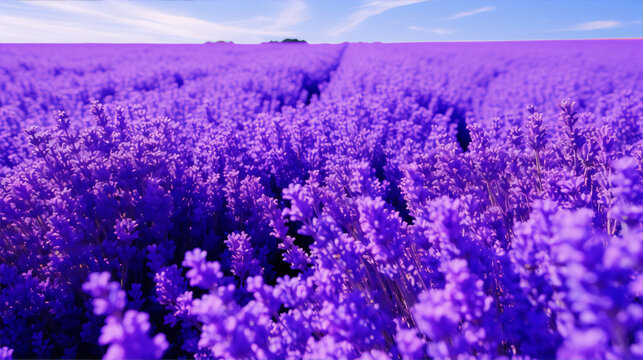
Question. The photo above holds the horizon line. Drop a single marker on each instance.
(279, 42)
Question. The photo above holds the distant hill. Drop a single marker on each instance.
(287, 40)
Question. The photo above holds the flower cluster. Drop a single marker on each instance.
(126, 334)
(354, 201)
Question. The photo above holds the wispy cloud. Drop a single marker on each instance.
(16, 28)
(594, 25)
(472, 12)
(293, 13)
(437, 31)
(118, 21)
(368, 10)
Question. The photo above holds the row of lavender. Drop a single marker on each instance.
(351, 201)
(180, 82)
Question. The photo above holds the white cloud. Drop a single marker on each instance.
(118, 21)
(368, 10)
(437, 31)
(472, 12)
(14, 28)
(594, 25)
(294, 13)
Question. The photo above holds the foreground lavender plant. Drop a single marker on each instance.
(399, 201)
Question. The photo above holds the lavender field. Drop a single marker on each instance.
(294, 201)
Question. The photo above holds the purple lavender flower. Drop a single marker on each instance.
(381, 227)
(204, 274)
(126, 334)
(328, 348)
(127, 338)
(6, 353)
(125, 230)
(243, 264)
(302, 202)
(627, 188)
(409, 344)
(108, 296)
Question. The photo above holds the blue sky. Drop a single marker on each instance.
(317, 21)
